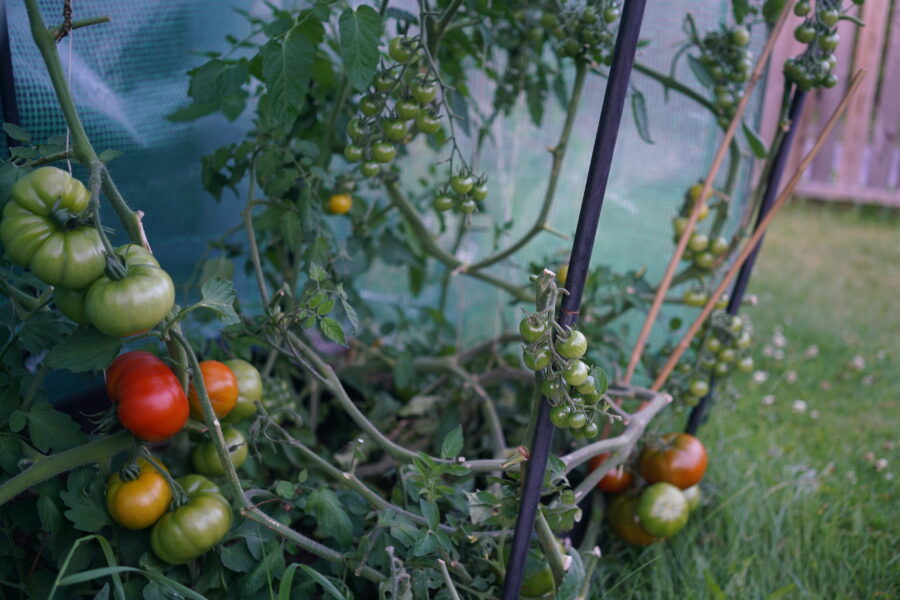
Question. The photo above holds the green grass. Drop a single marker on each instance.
(794, 507)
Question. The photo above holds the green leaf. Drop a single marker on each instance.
(191, 112)
(781, 592)
(601, 381)
(219, 266)
(10, 451)
(772, 9)
(330, 515)
(9, 174)
(87, 508)
(43, 331)
(740, 8)
(712, 587)
(572, 580)
(350, 313)
(430, 512)
(285, 489)
(639, 110)
(52, 430)
(700, 72)
(219, 296)
(216, 79)
(287, 580)
(85, 350)
(425, 545)
(18, 420)
(17, 133)
(317, 272)
(453, 443)
(360, 34)
(237, 558)
(110, 154)
(332, 330)
(757, 146)
(287, 66)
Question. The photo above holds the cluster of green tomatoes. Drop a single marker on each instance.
(578, 29)
(815, 67)
(701, 250)
(729, 63)
(721, 347)
(573, 388)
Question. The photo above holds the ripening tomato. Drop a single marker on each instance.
(617, 480)
(340, 204)
(625, 522)
(206, 461)
(221, 386)
(150, 400)
(676, 458)
(191, 529)
(138, 495)
(250, 389)
(662, 509)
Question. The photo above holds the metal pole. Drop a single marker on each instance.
(579, 261)
(7, 77)
(698, 414)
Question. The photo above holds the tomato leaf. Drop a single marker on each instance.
(217, 79)
(17, 133)
(87, 508)
(740, 8)
(772, 9)
(639, 111)
(321, 580)
(757, 146)
(10, 451)
(700, 71)
(219, 296)
(237, 558)
(360, 34)
(350, 313)
(109, 154)
(330, 515)
(573, 579)
(287, 66)
(332, 330)
(317, 272)
(430, 512)
(601, 381)
(52, 430)
(453, 443)
(85, 350)
(43, 330)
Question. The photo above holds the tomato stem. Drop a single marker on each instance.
(179, 496)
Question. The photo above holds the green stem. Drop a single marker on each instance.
(50, 158)
(46, 467)
(551, 547)
(55, 31)
(27, 301)
(434, 249)
(211, 420)
(34, 387)
(559, 152)
(451, 589)
(247, 215)
(590, 565)
(436, 32)
(673, 84)
(343, 92)
(179, 496)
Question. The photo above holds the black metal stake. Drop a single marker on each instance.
(698, 414)
(7, 79)
(579, 261)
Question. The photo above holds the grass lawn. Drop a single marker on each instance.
(801, 493)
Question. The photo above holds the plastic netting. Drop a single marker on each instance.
(128, 74)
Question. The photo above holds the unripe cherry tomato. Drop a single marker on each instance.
(394, 130)
(574, 346)
(698, 242)
(369, 169)
(740, 36)
(370, 106)
(576, 419)
(577, 373)
(428, 123)
(532, 329)
(407, 109)
(353, 153)
(559, 415)
(383, 152)
(461, 184)
(467, 206)
(443, 202)
(538, 360)
(138, 503)
(424, 92)
(699, 388)
(400, 49)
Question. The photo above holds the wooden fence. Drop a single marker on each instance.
(860, 162)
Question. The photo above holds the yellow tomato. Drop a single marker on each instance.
(340, 204)
(138, 503)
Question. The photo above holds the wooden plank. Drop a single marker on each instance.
(826, 100)
(848, 193)
(856, 126)
(886, 130)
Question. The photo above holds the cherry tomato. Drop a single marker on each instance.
(353, 153)
(424, 92)
(383, 152)
(407, 109)
(356, 130)
(698, 242)
(699, 388)
(676, 458)
(370, 106)
(370, 169)
(611, 14)
(340, 204)
(559, 415)
(532, 329)
(704, 260)
(804, 33)
(740, 36)
(384, 83)
(221, 386)
(467, 206)
(718, 246)
(695, 298)
(150, 400)
(577, 373)
(250, 389)
(400, 49)
(745, 365)
(591, 430)
(662, 509)
(679, 224)
(538, 360)
(801, 9)
(573, 346)
(428, 123)
(576, 419)
(394, 130)
(830, 41)
(617, 480)
(461, 184)
(479, 192)
(727, 355)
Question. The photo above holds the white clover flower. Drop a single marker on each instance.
(851, 475)
(858, 362)
(881, 464)
(798, 406)
(868, 380)
(889, 476)
(813, 414)
(768, 350)
(779, 340)
(779, 354)
(869, 456)
(760, 376)
(751, 300)
(791, 376)
(811, 351)
(768, 400)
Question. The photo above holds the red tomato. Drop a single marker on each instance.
(221, 385)
(677, 458)
(151, 402)
(617, 480)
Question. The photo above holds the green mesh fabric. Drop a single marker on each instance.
(128, 74)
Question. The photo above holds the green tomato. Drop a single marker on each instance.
(830, 80)
(36, 234)
(461, 184)
(206, 461)
(559, 415)
(704, 260)
(552, 388)
(740, 36)
(802, 8)
(745, 364)
(576, 420)
(591, 430)
(369, 169)
(370, 106)
(537, 580)
(549, 20)
(693, 497)
(804, 33)
(135, 303)
(443, 202)
(353, 153)
(830, 41)
(538, 360)
(394, 130)
(250, 389)
(679, 224)
(532, 329)
(356, 130)
(479, 192)
(829, 16)
(695, 298)
(577, 373)
(699, 388)
(573, 346)
(385, 82)
(71, 304)
(424, 93)
(663, 509)
(383, 152)
(727, 355)
(407, 109)
(721, 369)
(400, 49)
(735, 324)
(196, 484)
(592, 398)
(191, 530)
(718, 246)
(611, 14)
(698, 242)
(713, 344)
(467, 206)
(428, 123)
(587, 387)
(744, 340)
